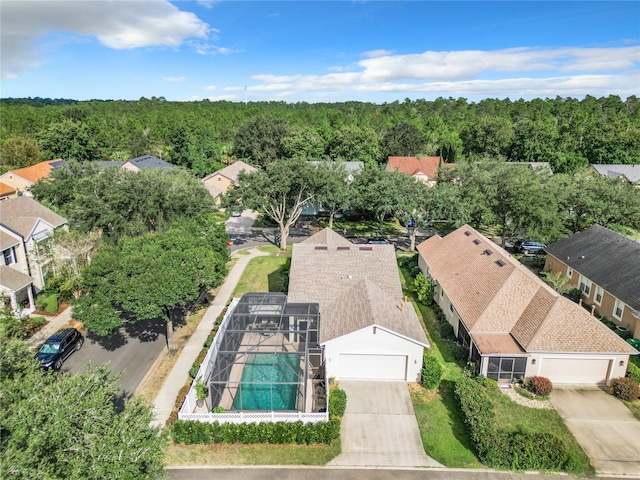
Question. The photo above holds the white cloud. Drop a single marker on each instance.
(116, 24)
(377, 53)
(174, 79)
(228, 98)
(509, 72)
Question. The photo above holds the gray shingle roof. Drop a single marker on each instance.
(13, 279)
(22, 213)
(7, 241)
(149, 161)
(355, 285)
(630, 172)
(607, 258)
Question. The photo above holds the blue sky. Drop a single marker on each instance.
(328, 51)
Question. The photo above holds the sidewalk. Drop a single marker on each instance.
(55, 324)
(164, 402)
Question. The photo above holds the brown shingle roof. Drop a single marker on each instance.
(232, 171)
(355, 285)
(13, 279)
(36, 172)
(6, 189)
(414, 165)
(22, 213)
(7, 240)
(509, 299)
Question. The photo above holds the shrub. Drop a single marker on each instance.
(50, 303)
(431, 372)
(633, 372)
(575, 294)
(446, 330)
(337, 402)
(626, 388)
(540, 386)
(193, 371)
(424, 289)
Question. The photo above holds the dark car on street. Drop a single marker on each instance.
(58, 347)
(527, 246)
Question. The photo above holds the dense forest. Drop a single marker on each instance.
(202, 136)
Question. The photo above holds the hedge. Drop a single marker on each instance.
(190, 432)
(337, 402)
(506, 449)
(625, 388)
(633, 372)
(431, 372)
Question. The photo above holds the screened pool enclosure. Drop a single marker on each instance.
(268, 357)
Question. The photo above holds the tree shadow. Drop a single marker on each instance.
(145, 331)
(120, 400)
(278, 280)
(458, 427)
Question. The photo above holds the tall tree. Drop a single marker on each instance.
(152, 276)
(67, 426)
(70, 141)
(280, 192)
(355, 144)
(260, 141)
(402, 139)
(20, 152)
(336, 194)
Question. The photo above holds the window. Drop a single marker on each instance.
(442, 292)
(569, 272)
(451, 307)
(506, 369)
(585, 285)
(597, 297)
(9, 257)
(618, 309)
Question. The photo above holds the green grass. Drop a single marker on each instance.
(634, 407)
(273, 249)
(362, 227)
(265, 274)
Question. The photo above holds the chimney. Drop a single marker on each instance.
(593, 309)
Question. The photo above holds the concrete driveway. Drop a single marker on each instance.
(242, 224)
(379, 428)
(603, 426)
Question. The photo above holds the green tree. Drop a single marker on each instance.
(304, 142)
(336, 193)
(402, 139)
(67, 426)
(261, 140)
(20, 152)
(280, 192)
(355, 144)
(70, 141)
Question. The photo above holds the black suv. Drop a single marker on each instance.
(58, 347)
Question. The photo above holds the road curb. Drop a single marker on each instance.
(157, 361)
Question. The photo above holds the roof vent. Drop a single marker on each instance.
(477, 241)
(344, 248)
(321, 247)
(500, 263)
(488, 251)
(467, 233)
(366, 248)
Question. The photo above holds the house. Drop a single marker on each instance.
(606, 267)
(220, 181)
(24, 223)
(631, 173)
(7, 191)
(21, 179)
(513, 324)
(424, 169)
(369, 332)
(536, 167)
(146, 161)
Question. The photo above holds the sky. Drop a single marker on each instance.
(318, 51)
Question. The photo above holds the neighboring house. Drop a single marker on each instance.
(146, 161)
(21, 179)
(631, 173)
(219, 182)
(424, 169)
(7, 191)
(24, 223)
(369, 331)
(513, 324)
(606, 267)
(352, 169)
(537, 167)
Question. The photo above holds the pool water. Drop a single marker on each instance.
(264, 395)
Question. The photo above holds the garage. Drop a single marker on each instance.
(575, 370)
(372, 367)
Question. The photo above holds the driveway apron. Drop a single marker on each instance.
(379, 428)
(606, 429)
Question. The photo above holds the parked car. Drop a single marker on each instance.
(378, 241)
(527, 246)
(58, 347)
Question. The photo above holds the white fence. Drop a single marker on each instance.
(189, 405)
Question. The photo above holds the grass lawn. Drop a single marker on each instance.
(362, 227)
(265, 274)
(217, 454)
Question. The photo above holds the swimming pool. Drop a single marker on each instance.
(258, 391)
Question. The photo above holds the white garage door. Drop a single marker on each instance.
(575, 370)
(373, 367)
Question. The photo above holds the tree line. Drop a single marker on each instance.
(202, 136)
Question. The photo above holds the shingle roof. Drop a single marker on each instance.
(22, 213)
(7, 240)
(149, 161)
(414, 165)
(6, 189)
(232, 171)
(630, 172)
(38, 171)
(355, 285)
(13, 279)
(607, 258)
(495, 295)
(351, 167)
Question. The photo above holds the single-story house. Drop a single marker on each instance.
(222, 180)
(369, 331)
(21, 179)
(605, 266)
(145, 161)
(24, 223)
(424, 169)
(513, 324)
(631, 173)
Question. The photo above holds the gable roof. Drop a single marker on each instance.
(232, 171)
(505, 305)
(21, 215)
(149, 161)
(6, 189)
(38, 171)
(355, 285)
(417, 165)
(630, 172)
(8, 240)
(605, 257)
(13, 279)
